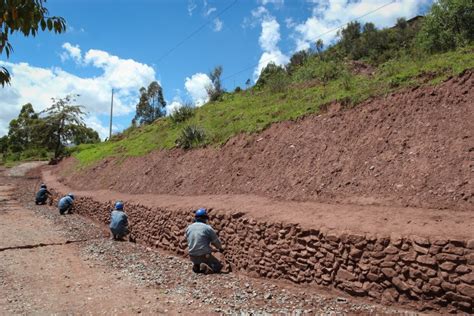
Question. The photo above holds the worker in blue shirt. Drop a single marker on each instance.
(42, 195)
(65, 204)
(118, 222)
(200, 237)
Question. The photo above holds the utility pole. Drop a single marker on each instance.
(111, 113)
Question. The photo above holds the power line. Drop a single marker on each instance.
(318, 37)
(195, 31)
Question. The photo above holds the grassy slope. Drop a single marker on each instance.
(253, 111)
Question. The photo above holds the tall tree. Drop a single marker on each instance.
(22, 131)
(27, 17)
(215, 90)
(150, 105)
(62, 121)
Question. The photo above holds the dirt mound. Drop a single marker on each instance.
(413, 148)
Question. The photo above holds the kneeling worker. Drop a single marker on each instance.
(118, 222)
(65, 204)
(42, 195)
(200, 236)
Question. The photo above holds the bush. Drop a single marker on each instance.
(237, 89)
(448, 25)
(315, 68)
(278, 83)
(182, 114)
(191, 136)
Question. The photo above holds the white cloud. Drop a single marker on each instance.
(71, 52)
(37, 85)
(173, 106)
(217, 25)
(210, 11)
(191, 7)
(196, 88)
(268, 41)
(326, 16)
(277, 3)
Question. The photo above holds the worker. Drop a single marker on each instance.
(42, 195)
(200, 237)
(118, 222)
(65, 204)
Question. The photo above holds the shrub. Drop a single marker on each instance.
(191, 136)
(182, 114)
(237, 89)
(315, 68)
(347, 80)
(278, 83)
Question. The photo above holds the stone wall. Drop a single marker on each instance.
(416, 271)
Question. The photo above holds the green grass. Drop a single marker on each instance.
(252, 111)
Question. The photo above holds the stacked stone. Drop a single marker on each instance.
(410, 270)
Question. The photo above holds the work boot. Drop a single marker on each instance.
(205, 269)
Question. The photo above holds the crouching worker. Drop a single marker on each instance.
(42, 195)
(118, 222)
(65, 204)
(200, 236)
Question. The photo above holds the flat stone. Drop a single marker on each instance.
(402, 286)
(466, 290)
(447, 257)
(389, 272)
(391, 250)
(373, 277)
(447, 266)
(408, 257)
(470, 244)
(463, 269)
(449, 248)
(421, 241)
(468, 278)
(457, 297)
(448, 286)
(420, 249)
(430, 261)
(345, 275)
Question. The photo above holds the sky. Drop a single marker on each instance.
(126, 44)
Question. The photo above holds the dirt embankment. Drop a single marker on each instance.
(414, 148)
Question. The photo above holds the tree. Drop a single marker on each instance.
(296, 61)
(22, 133)
(448, 25)
(63, 121)
(151, 104)
(319, 46)
(215, 90)
(27, 17)
(84, 135)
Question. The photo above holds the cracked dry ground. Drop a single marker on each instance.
(52, 264)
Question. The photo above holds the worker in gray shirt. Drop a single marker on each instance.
(200, 236)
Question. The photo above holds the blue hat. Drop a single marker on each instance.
(201, 213)
(119, 205)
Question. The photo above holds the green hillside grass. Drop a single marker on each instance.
(252, 111)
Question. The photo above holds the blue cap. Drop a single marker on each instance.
(202, 212)
(119, 205)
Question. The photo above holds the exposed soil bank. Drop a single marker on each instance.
(424, 273)
(414, 148)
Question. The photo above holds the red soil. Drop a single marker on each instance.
(410, 149)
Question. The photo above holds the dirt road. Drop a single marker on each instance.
(52, 264)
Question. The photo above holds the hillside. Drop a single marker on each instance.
(254, 110)
(410, 148)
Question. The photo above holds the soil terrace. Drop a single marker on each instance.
(371, 219)
(413, 148)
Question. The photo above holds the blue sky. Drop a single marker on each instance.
(121, 44)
